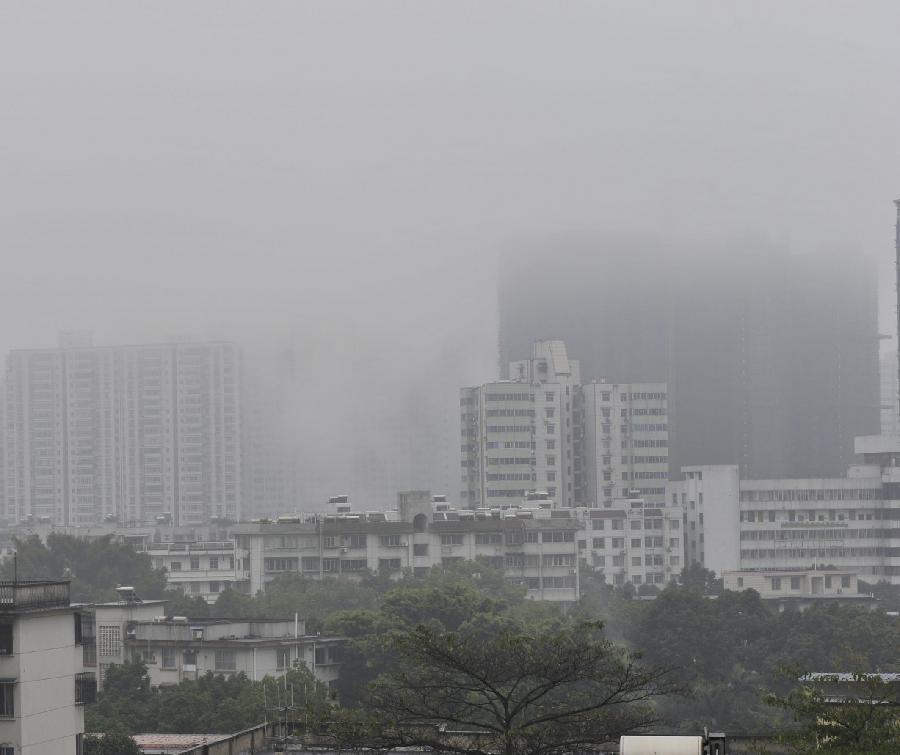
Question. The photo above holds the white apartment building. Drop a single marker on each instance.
(519, 435)
(625, 444)
(849, 523)
(123, 433)
(43, 684)
(199, 569)
(175, 650)
(110, 625)
(537, 547)
(636, 541)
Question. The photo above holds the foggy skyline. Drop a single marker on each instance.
(340, 178)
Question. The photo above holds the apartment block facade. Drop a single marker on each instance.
(43, 681)
(519, 436)
(124, 433)
(625, 442)
(538, 548)
(847, 523)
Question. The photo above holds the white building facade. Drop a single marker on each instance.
(124, 433)
(43, 682)
(625, 445)
(850, 523)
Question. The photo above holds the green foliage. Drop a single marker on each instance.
(526, 692)
(211, 704)
(314, 600)
(111, 743)
(180, 604)
(865, 720)
(95, 567)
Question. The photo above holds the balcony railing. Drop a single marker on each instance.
(22, 596)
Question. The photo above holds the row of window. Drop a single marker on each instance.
(811, 494)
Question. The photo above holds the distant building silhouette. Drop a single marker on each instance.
(771, 359)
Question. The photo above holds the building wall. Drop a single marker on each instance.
(890, 395)
(626, 441)
(541, 553)
(843, 523)
(126, 432)
(47, 720)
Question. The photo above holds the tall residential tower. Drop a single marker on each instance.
(123, 433)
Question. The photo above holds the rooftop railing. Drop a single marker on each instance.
(21, 596)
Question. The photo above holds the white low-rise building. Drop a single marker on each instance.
(179, 649)
(847, 523)
(43, 682)
(199, 569)
(793, 588)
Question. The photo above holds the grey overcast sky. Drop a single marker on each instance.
(270, 170)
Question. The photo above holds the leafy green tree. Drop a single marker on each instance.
(314, 600)
(95, 567)
(532, 693)
(111, 743)
(865, 720)
(192, 606)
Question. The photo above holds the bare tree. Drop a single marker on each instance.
(507, 693)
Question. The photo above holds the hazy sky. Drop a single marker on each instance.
(288, 169)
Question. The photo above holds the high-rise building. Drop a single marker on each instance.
(625, 446)
(123, 433)
(518, 436)
(890, 395)
(771, 359)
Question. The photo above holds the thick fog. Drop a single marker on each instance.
(330, 183)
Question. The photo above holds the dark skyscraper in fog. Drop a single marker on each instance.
(771, 359)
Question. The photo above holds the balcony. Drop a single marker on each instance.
(29, 596)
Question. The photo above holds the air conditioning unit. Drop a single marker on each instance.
(404, 544)
(344, 550)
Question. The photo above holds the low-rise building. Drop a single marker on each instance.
(799, 589)
(847, 523)
(43, 681)
(536, 546)
(112, 623)
(199, 569)
(179, 649)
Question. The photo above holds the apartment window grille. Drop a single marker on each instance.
(7, 706)
(168, 657)
(85, 688)
(226, 660)
(283, 658)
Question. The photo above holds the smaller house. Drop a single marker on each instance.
(178, 649)
(800, 588)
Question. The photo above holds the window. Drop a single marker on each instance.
(559, 536)
(7, 707)
(175, 566)
(845, 580)
(635, 560)
(531, 537)
(167, 658)
(195, 563)
(549, 412)
(214, 587)
(635, 542)
(225, 660)
(452, 539)
(329, 541)
(551, 445)
(635, 524)
(331, 564)
(795, 583)
(740, 581)
(776, 583)
(488, 538)
(389, 565)
(420, 549)
(356, 541)
(109, 640)
(6, 636)
(283, 658)
(390, 541)
(618, 542)
(85, 688)
(598, 543)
